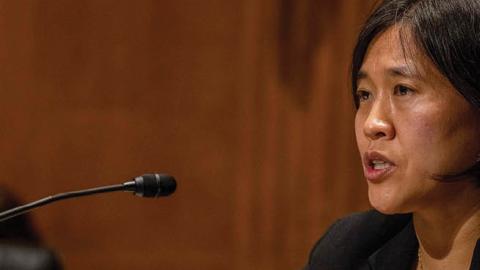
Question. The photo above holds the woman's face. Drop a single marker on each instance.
(411, 125)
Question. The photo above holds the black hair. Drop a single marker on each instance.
(446, 31)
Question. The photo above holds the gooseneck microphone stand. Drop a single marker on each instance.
(147, 185)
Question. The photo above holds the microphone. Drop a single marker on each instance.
(152, 185)
(148, 185)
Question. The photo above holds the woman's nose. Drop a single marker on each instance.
(378, 124)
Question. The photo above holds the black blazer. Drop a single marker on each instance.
(370, 241)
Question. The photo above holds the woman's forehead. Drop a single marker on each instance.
(395, 53)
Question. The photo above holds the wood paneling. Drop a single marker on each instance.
(246, 103)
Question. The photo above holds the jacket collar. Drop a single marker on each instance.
(401, 251)
(475, 264)
(398, 253)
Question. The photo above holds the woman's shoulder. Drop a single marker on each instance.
(350, 241)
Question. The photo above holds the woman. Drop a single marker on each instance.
(416, 85)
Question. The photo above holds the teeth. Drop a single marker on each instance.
(378, 162)
(380, 165)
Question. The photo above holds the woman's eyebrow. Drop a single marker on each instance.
(395, 71)
(361, 75)
(404, 71)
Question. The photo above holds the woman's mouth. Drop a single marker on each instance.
(376, 166)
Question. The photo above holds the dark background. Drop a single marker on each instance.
(247, 103)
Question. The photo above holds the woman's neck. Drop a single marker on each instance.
(448, 229)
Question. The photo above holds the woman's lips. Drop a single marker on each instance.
(377, 167)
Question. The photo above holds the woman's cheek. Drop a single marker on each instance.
(417, 136)
(436, 143)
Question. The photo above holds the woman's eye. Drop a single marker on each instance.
(401, 90)
(363, 95)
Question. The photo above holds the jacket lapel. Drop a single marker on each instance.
(475, 265)
(399, 252)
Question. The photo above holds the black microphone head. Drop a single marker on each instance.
(154, 185)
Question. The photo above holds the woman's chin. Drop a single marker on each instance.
(385, 209)
(386, 204)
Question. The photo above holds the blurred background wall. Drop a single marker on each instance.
(247, 103)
